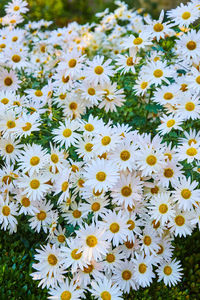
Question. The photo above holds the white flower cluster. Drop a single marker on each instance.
(110, 199)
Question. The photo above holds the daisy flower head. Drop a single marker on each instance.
(66, 133)
(189, 152)
(124, 276)
(161, 208)
(16, 7)
(186, 193)
(149, 241)
(184, 15)
(157, 29)
(149, 160)
(93, 242)
(189, 107)
(156, 72)
(127, 191)
(188, 46)
(9, 80)
(105, 289)
(73, 255)
(181, 225)
(126, 63)
(66, 290)
(139, 42)
(42, 216)
(10, 149)
(49, 266)
(170, 122)
(36, 186)
(99, 71)
(116, 227)
(170, 272)
(74, 215)
(101, 174)
(143, 271)
(32, 159)
(8, 213)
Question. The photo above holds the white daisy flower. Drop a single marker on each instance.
(105, 289)
(170, 272)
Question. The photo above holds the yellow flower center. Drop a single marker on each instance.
(5, 101)
(143, 85)
(27, 127)
(198, 79)
(147, 240)
(169, 155)
(129, 61)
(15, 38)
(11, 124)
(66, 295)
(77, 214)
(34, 184)
(126, 274)
(192, 141)
(180, 220)
(168, 173)
(155, 224)
(91, 91)
(88, 147)
(16, 58)
(72, 63)
(34, 161)
(161, 250)
(142, 268)
(89, 127)
(137, 41)
(129, 245)
(151, 160)
(38, 93)
(190, 106)
(110, 257)
(95, 206)
(132, 224)
(88, 269)
(76, 255)
(41, 216)
(8, 81)
(61, 238)
(54, 158)
(125, 155)
(67, 132)
(163, 208)
(16, 8)
(65, 185)
(158, 73)
(105, 295)
(91, 241)
(158, 27)
(126, 191)
(97, 193)
(52, 260)
(186, 15)
(191, 151)
(62, 96)
(168, 96)
(170, 123)
(6, 210)
(191, 45)
(65, 79)
(73, 105)
(155, 190)
(98, 70)
(9, 148)
(167, 270)
(114, 227)
(105, 140)
(25, 202)
(101, 176)
(186, 193)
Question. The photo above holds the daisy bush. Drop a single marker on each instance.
(100, 146)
